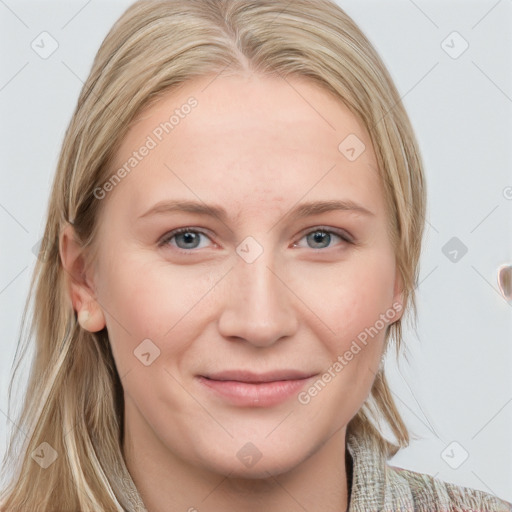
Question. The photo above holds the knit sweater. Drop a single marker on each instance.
(379, 487)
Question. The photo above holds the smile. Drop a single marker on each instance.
(246, 389)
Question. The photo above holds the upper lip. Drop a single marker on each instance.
(248, 376)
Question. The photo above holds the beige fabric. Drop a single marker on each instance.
(377, 486)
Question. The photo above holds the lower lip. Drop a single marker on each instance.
(245, 394)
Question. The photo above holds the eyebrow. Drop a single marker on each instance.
(300, 211)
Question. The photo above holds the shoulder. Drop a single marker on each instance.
(377, 485)
(434, 495)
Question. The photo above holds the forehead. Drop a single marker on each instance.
(247, 140)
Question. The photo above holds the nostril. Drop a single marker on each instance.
(505, 281)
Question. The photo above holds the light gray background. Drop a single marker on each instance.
(456, 386)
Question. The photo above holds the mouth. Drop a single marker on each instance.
(248, 389)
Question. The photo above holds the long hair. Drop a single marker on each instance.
(73, 403)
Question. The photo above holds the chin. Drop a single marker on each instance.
(259, 460)
(262, 470)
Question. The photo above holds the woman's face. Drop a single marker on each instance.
(250, 338)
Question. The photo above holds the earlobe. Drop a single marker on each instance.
(81, 295)
(92, 322)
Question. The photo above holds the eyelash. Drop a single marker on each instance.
(345, 237)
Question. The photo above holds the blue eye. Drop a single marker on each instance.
(321, 238)
(184, 238)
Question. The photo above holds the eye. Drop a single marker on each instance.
(321, 238)
(184, 239)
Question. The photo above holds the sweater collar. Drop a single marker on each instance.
(374, 486)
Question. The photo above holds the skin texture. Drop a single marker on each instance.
(258, 147)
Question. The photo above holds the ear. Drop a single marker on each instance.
(81, 292)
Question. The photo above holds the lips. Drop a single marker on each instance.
(250, 377)
(248, 389)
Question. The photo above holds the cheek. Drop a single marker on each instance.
(351, 299)
(358, 307)
(144, 300)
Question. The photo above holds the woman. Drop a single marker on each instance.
(232, 241)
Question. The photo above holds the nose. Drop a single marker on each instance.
(258, 304)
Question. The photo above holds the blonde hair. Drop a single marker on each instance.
(74, 399)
